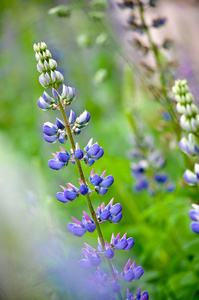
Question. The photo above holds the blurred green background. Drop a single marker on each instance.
(36, 249)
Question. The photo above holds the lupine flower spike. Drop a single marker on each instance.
(65, 130)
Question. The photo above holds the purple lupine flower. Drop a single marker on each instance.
(109, 253)
(50, 139)
(161, 178)
(100, 275)
(190, 177)
(83, 189)
(115, 287)
(194, 215)
(68, 94)
(71, 193)
(95, 179)
(60, 124)
(72, 117)
(92, 258)
(77, 228)
(60, 159)
(93, 152)
(88, 222)
(63, 155)
(111, 212)
(143, 296)
(55, 163)
(142, 184)
(103, 214)
(122, 243)
(43, 104)
(60, 196)
(83, 119)
(189, 146)
(158, 22)
(79, 154)
(50, 129)
(131, 272)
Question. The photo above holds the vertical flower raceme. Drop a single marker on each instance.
(157, 73)
(189, 121)
(101, 283)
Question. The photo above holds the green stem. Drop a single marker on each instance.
(87, 196)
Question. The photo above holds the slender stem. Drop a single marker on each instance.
(87, 196)
(162, 76)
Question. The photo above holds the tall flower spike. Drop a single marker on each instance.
(104, 284)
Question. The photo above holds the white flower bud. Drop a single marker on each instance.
(40, 67)
(189, 98)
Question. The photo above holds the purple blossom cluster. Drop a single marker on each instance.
(102, 283)
(148, 165)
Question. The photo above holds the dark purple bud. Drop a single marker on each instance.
(115, 287)
(64, 157)
(107, 182)
(50, 139)
(116, 209)
(138, 272)
(99, 154)
(122, 244)
(96, 180)
(130, 242)
(105, 215)
(93, 150)
(60, 124)
(129, 276)
(117, 218)
(109, 253)
(161, 178)
(83, 189)
(60, 197)
(55, 164)
(70, 195)
(195, 227)
(79, 154)
(158, 22)
(84, 264)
